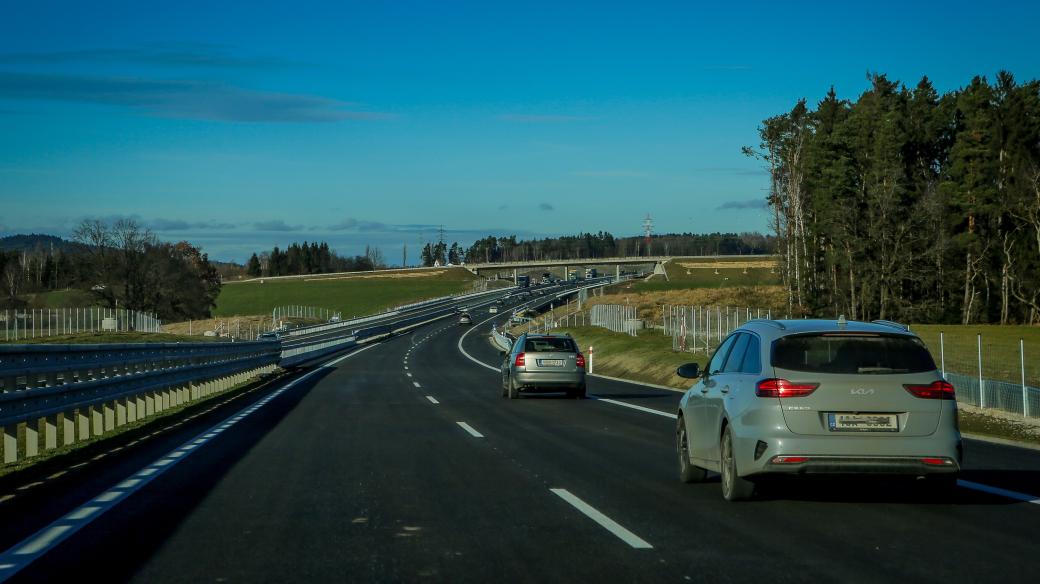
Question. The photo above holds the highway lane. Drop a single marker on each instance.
(357, 474)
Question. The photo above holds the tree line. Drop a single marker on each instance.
(311, 258)
(605, 245)
(910, 204)
(122, 265)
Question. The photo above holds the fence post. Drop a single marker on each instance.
(942, 354)
(982, 387)
(1022, 364)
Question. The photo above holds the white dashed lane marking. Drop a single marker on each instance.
(432, 399)
(604, 521)
(470, 429)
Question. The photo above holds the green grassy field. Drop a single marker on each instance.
(686, 273)
(648, 357)
(1000, 355)
(355, 295)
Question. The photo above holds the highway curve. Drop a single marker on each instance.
(401, 462)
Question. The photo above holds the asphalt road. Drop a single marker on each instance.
(401, 462)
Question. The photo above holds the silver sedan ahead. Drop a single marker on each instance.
(544, 362)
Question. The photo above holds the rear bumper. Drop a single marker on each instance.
(862, 465)
(528, 380)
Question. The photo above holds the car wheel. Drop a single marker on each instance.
(734, 488)
(581, 392)
(688, 473)
(514, 391)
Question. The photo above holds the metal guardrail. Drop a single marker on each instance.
(502, 340)
(90, 389)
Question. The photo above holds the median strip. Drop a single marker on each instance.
(604, 521)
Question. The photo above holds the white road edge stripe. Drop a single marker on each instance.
(998, 491)
(23, 553)
(432, 399)
(470, 429)
(635, 407)
(604, 521)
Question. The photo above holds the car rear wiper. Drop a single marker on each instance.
(880, 370)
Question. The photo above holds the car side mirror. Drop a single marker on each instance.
(689, 371)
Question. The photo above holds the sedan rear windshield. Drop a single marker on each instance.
(550, 345)
(852, 353)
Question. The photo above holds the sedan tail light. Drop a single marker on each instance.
(520, 360)
(936, 390)
(580, 361)
(784, 388)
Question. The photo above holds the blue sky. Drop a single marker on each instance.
(241, 126)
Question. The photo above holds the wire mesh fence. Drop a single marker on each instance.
(619, 318)
(702, 328)
(296, 311)
(47, 322)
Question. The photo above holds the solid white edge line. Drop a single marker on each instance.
(605, 522)
(432, 399)
(635, 407)
(470, 429)
(998, 491)
(23, 553)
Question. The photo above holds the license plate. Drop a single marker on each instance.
(841, 422)
(551, 362)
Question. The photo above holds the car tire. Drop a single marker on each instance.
(734, 487)
(688, 472)
(514, 391)
(579, 393)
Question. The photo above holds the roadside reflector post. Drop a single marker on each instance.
(590, 359)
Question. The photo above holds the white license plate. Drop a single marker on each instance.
(551, 362)
(841, 422)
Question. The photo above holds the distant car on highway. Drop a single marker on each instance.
(543, 362)
(788, 397)
(269, 336)
(465, 318)
(493, 309)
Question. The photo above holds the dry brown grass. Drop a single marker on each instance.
(245, 324)
(648, 304)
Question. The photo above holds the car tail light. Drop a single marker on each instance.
(784, 388)
(936, 390)
(937, 461)
(580, 361)
(789, 459)
(520, 360)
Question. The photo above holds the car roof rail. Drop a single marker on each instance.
(891, 323)
(768, 321)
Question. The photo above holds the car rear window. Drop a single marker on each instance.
(852, 353)
(550, 345)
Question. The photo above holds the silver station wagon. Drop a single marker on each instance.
(817, 396)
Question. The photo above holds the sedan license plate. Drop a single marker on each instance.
(550, 362)
(843, 422)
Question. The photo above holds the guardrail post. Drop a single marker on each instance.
(97, 423)
(82, 424)
(10, 443)
(50, 432)
(149, 404)
(131, 409)
(110, 415)
(68, 428)
(32, 438)
(121, 411)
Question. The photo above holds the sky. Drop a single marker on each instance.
(239, 126)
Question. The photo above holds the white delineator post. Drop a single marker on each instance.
(590, 359)
(942, 355)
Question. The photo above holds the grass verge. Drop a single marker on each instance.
(648, 357)
(350, 295)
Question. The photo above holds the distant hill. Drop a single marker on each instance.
(30, 242)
